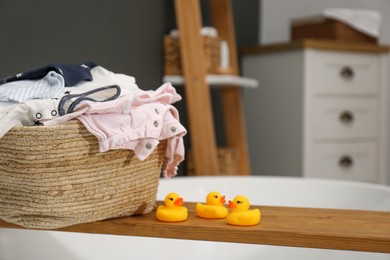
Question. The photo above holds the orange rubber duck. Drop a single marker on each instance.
(173, 211)
(240, 214)
(213, 208)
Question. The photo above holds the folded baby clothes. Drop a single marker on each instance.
(72, 73)
(51, 85)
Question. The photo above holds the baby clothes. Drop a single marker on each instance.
(15, 114)
(49, 86)
(105, 86)
(137, 122)
(103, 77)
(69, 102)
(72, 73)
(141, 130)
(37, 111)
(31, 112)
(110, 105)
(122, 105)
(165, 94)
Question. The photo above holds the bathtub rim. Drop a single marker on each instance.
(358, 184)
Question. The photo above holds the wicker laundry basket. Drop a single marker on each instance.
(52, 177)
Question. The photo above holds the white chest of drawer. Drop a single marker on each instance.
(320, 110)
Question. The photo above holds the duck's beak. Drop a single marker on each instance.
(232, 205)
(178, 202)
(223, 200)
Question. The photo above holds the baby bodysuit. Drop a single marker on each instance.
(50, 86)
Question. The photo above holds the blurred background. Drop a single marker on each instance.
(127, 37)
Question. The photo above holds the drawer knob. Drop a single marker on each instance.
(346, 117)
(346, 161)
(347, 72)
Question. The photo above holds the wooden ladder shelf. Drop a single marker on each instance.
(197, 92)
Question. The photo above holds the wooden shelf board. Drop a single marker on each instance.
(316, 44)
(217, 80)
(283, 226)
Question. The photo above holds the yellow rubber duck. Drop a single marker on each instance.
(213, 208)
(240, 214)
(173, 211)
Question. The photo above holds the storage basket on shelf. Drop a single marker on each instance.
(227, 161)
(54, 176)
(211, 51)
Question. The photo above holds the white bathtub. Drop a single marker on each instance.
(281, 191)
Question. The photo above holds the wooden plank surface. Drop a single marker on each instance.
(197, 92)
(232, 103)
(284, 226)
(316, 44)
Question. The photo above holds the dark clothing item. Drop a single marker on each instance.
(72, 73)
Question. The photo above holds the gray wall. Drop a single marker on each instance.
(123, 36)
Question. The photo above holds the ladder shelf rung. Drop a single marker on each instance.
(217, 80)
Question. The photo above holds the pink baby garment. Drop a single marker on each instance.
(137, 122)
(141, 130)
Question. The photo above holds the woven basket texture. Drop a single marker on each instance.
(227, 161)
(211, 51)
(52, 177)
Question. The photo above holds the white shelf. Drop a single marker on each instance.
(217, 80)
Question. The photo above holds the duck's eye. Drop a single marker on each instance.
(239, 201)
(216, 196)
(171, 199)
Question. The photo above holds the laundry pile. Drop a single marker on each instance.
(110, 105)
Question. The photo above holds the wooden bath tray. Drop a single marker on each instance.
(283, 226)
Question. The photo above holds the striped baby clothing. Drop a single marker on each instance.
(49, 86)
